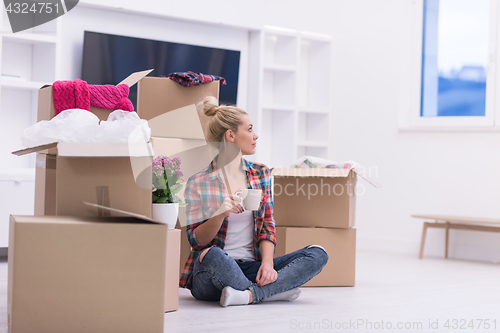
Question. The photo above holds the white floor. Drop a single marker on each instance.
(395, 290)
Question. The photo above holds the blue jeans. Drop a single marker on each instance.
(218, 270)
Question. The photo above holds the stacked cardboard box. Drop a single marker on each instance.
(178, 129)
(75, 259)
(317, 206)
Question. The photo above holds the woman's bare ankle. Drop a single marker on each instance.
(251, 297)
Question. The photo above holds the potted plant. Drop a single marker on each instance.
(166, 184)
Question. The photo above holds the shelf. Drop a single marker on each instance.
(318, 144)
(18, 175)
(30, 38)
(314, 109)
(21, 84)
(280, 47)
(315, 37)
(312, 151)
(279, 31)
(280, 67)
(278, 107)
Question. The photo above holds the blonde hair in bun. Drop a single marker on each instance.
(223, 118)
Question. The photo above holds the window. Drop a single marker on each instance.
(456, 63)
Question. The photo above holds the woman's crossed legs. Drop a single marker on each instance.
(216, 270)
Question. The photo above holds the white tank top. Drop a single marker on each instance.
(239, 236)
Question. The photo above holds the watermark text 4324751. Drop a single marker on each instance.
(26, 14)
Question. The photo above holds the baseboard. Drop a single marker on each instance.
(466, 247)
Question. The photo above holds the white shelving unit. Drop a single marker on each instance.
(27, 62)
(290, 89)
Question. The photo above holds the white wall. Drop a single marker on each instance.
(428, 173)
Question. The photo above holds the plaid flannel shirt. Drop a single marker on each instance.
(205, 193)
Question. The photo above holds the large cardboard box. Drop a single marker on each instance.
(113, 175)
(73, 274)
(340, 244)
(172, 260)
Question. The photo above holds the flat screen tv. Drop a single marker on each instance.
(108, 59)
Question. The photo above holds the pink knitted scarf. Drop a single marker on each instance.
(80, 95)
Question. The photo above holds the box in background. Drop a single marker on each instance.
(340, 245)
(316, 197)
(94, 275)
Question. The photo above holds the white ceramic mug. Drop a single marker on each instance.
(250, 198)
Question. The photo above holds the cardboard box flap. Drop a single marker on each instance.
(93, 149)
(114, 210)
(309, 172)
(34, 149)
(183, 123)
(368, 179)
(320, 172)
(135, 77)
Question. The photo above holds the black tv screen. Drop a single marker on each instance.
(108, 59)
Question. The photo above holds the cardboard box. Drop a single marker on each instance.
(47, 111)
(340, 244)
(314, 197)
(172, 273)
(172, 259)
(157, 96)
(73, 274)
(106, 174)
(45, 184)
(185, 247)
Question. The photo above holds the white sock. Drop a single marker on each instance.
(290, 295)
(231, 296)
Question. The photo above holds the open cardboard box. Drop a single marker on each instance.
(83, 274)
(340, 245)
(106, 174)
(47, 111)
(315, 197)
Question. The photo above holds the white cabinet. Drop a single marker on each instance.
(289, 94)
(17, 194)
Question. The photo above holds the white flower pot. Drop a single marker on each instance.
(166, 213)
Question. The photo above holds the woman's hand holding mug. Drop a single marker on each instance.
(231, 204)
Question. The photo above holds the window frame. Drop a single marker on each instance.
(414, 121)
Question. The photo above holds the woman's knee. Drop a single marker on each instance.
(213, 248)
(319, 253)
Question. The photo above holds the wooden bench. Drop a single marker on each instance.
(455, 222)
